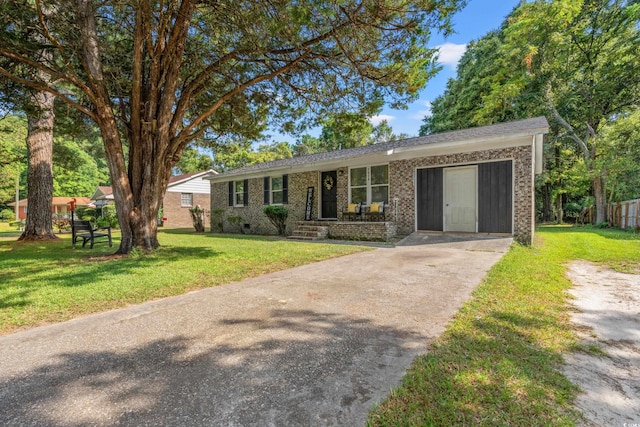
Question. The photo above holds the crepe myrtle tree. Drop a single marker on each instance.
(157, 75)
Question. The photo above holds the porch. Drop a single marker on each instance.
(346, 230)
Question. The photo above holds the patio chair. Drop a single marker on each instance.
(352, 212)
(376, 212)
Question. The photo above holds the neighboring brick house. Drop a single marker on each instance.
(183, 192)
(59, 205)
(478, 180)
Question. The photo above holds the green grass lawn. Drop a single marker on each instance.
(498, 361)
(8, 232)
(51, 282)
(496, 364)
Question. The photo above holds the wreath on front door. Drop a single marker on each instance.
(328, 182)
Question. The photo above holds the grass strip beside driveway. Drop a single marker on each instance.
(51, 282)
(498, 361)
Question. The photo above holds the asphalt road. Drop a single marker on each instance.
(316, 345)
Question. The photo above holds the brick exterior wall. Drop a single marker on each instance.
(401, 188)
(342, 189)
(177, 215)
(253, 214)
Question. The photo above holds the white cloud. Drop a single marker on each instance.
(421, 114)
(376, 120)
(450, 53)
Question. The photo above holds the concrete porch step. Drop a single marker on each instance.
(309, 232)
(302, 238)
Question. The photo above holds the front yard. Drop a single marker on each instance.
(498, 363)
(51, 282)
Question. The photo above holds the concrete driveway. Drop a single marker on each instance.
(316, 345)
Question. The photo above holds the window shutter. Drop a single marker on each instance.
(246, 192)
(285, 189)
(230, 193)
(266, 190)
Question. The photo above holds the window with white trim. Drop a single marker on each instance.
(186, 199)
(277, 191)
(369, 184)
(239, 193)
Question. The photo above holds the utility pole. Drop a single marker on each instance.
(17, 208)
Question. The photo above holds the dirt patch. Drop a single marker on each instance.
(608, 319)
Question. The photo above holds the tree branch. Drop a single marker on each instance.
(571, 132)
(46, 88)
(186, 134)
(55, 75)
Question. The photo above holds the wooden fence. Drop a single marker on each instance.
(624, 214)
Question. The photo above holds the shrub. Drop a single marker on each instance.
(86, 214)
(7, 215)
(109, 217)
(197, 216)
(572, 210)
(216, 220)
(61, 222)
(235, 221)
(160, 216)
(278, 217)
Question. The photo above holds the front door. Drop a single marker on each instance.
(460, 199)
(329, 194)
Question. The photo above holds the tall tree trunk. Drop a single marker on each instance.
(40, 175)
(601, 199)
(139, 183)
(559, 211)
(547, 210)
(137, 200)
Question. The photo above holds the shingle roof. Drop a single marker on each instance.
(524, 127)
(176, 178)
(179, 178)
(105, 189)
(59, 201)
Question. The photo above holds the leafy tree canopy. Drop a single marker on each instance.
(76, 172)
(155, 76)
(573, 61)
(345, 130)
(238, 155)
(192, 161)
(620, 156)
(13, 155)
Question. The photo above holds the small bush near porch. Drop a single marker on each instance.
(51, 282)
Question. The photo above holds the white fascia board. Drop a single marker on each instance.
(464, 146)
(95, 195)
(196, 176)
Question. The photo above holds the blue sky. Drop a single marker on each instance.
(474, 21)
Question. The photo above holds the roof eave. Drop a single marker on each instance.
(195, 176)
(391, 154)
